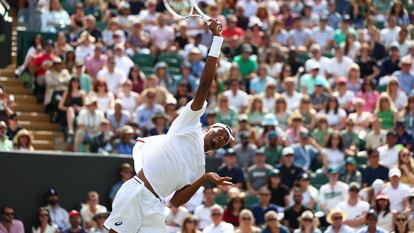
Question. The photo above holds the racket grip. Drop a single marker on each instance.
(206, 19)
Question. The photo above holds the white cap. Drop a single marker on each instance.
(228, 130)
(394, 172)
(312, 65)
(378, 185)
(287, 151)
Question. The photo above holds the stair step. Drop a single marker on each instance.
(33, 117)
(38, 125)
(10, 89)
(8, 72)
(25, 99)
(28, 107)
(6, 81)
(43, 145)
(47, 135)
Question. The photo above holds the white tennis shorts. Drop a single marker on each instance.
(136, 210)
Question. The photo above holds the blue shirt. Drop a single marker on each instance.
(369, 175)
(144, 115)
(304, 155)
(334, 19)
(406, 81)
(114, 189)
(260, 212)
(258, 85)
(365, 230)
(289, 174)
(235, 173)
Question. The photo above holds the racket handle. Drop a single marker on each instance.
(206, 19)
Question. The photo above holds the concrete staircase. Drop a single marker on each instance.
(31, 115)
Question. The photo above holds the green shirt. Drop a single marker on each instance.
(6, 145)
(349, 138)
(387, 119)
(308, 81)
(320, 135)
(255, 118)
(246, 67)
(85, 83)
(229, 118)
(340, 36)
(273, 154)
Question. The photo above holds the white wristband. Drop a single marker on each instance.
(216, 46)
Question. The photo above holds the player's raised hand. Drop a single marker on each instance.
(218, 180)
(215, 27)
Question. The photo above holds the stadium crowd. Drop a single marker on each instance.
(319, 94)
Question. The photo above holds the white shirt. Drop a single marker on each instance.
(49, 229)
(162, 37)
(59, 216)
(103, 102)
(353, 212)
(337, 68)
(335, 118)
(240, 100)
(147, 16)
(82, 51)
(388, 156)
(91, 121)
(401, 100)
(203, 215)
(177, 218)
(113, 80)
(86, 213)
(250, 7)
(293, 101)
(331, 196)
(397, 196)
(188, 47)
(348, 97)
(195, 200)
(176, 159)
(124, 64)
(335, 157)
(323, 64)
(223, 227)
(388, 35)
(385, 222)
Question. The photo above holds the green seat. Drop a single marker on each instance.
(319, 179)
(361, 160)
(174, 71)
(147, 70)
(101, 25)
(302, 58)
(221, 199)
(172, 59)
(250, 200)
(328, 55)
(143, 60)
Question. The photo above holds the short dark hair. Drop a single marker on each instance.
(4, 207)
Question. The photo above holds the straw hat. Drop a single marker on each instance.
(334, 212)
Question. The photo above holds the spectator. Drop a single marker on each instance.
(280, 109)
(95, 62)
(332, 193)
(391, 63)
(374, 170)
(137, 78)
(406, 165)
(272, 223)
(388, 153)
(58, 215)
(319, 97)
(149, 15)
(400, 222)
(56, 18)
(307, 223)
(390, 33)
(299, 35)
(86, 46)
(258, 83)
(350, 139)
(203, 212)
(322, 35)
(57, 79)
(360, 118)
(218, 225)
(102, 141)
(8, 224)
(336, 218)
(258, 173)
(260, 209)
(190, 225)
(100, 219)
(291, 95)
(247, 223)
(334, 18)
(23, 140)
(162, 35)
(61, 47)
(122, 61)
(230, 168)
(344, 95)
(273, 149)
(137, 41)
(113, 76)
(296, 129)
(397, 191)
(232, 29)
(43, 223)
(75, 223)
(112, 33)
(371, 223)
(410, 211)
(369, 193)
(237, 98)
(14, 126)
(118, 117)
(339, 64)
(405, 76)
(126, 142)
(160, 121)
(307, 151)
(310, 194)
(5, 143)
(279, 191)
(175, 218)
(333, 154)
(288, 170)
(89, 120)
(292, 214)
(385, 110)
(404, 137)
(40, 63)
(377, 136)
(351, 174)
(90, 209)
(90, 26)
(247, 64)
(147, 110)
(84, 79)
(256, 111)
(312, 78)
(322, 130)
(235, 205)
(385, 216)
(367, 64)
(336, 116)
(245, 151)
(126, 173)
(353, 207)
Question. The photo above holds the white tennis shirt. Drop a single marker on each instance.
(176, 159)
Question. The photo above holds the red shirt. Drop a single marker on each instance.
(39, 59)
(227, 33)
(228, 217)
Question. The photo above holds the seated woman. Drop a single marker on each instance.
(247, 223)
(43, 223)
(406, 165)
(71, 103)
(160, 121)
(332, 154)
(23, 141)
(386, 111)
(307, 223)
(104, 96)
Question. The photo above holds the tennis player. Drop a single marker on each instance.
(170, 163)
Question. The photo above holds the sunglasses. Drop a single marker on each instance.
(271, 219)
(337, 218)
(246, 218)
(401, 219)
(9, 214)
(216, 214)
(308, 220)
(191, 221)
(43, 215)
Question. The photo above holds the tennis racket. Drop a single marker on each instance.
(184, 9)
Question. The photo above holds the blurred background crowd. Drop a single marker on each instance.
(319, 94)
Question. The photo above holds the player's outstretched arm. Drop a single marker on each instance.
(181, 196)
(209, 68)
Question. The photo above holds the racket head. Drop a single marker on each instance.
(179, 8)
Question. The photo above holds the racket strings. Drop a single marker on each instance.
(183, 8)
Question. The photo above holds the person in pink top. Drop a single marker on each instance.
(95, 62)
(369, 95)
(8, 224)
